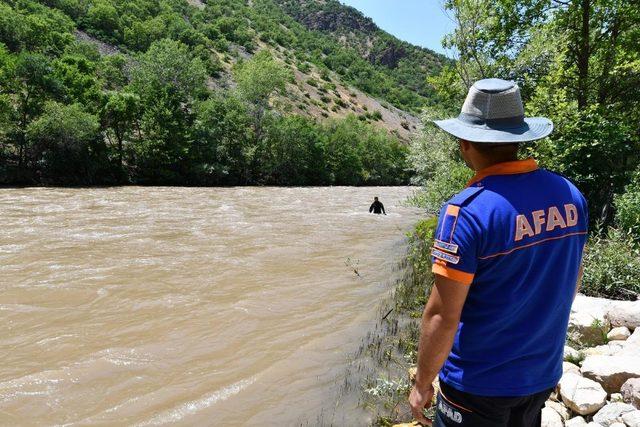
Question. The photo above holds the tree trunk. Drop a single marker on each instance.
(120, 159)
(584, 51)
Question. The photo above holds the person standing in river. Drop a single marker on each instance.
(507, 260)
(377, 207)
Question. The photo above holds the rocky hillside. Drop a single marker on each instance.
(410, 64)
(342, 62)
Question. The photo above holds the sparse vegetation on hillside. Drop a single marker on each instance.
(400, 63)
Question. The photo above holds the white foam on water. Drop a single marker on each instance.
(189, 408)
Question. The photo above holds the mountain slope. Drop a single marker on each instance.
(409, 64)
(342, 62)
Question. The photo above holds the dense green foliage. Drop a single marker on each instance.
(182, 95)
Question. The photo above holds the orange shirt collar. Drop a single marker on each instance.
(506, 168)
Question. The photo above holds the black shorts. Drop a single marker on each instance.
(459, 409)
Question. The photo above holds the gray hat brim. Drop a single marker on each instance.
(532, 129)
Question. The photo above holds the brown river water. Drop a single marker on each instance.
(191, 306)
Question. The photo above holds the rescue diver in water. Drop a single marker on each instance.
(377, 207)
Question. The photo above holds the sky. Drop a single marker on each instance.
(420, 22)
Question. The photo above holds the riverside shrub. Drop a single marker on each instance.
(628, 209)
(437, 165)
(612, 266)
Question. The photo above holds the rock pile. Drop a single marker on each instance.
(600, 385)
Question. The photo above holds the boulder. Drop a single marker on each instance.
(550, 418)
(619, 333)
(562, 410)
(632, 419)
(594, 305)
(612, 413)
(587, 329)
(617, 424)
(611, 371)
(630, 391)
(575, 422)
(624, 313)
(581, 395)
(588, 323)
(570, 367)
(631, 345)
(609, 349)
(413, 424)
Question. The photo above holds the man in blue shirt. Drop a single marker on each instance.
(507, 263)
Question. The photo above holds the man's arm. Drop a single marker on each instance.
(382, 206)
(371, 207)
(440, 321)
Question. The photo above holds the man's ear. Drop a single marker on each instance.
(464, 145)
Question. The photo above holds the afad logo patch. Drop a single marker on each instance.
(445, 246)
(453, 259)
(449, 412)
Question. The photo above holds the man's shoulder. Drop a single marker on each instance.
(561, 180)
(465, 197)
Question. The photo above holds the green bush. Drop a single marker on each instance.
(67, 139)
(628, 209)
(612, 266)
(438, 167)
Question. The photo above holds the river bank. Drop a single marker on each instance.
(394, 348)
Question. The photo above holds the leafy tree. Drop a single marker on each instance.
(223, 147)
(342, 157)
(66, 138)
(77, 74)
(112, 70)
(120, 116)
(141, 34)
(628, 209)
(384, 158)
(258, 79)
(102, 20)
(32, 82)
(168, 80)
(291, 152)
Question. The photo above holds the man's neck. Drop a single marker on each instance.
(483, 163)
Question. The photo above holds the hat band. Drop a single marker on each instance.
(502, 123)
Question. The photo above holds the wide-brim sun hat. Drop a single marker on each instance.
(493, 114)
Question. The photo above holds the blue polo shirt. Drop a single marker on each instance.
(515, 235)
